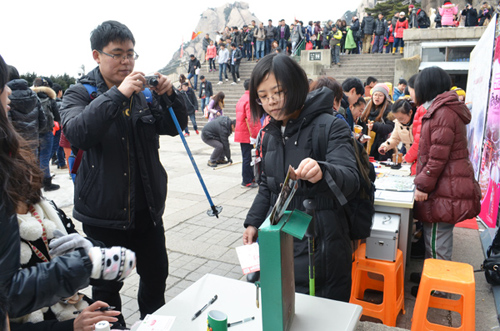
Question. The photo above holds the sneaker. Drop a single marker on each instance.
(226, 79)
(250, 185)
(220, 82)
(233, 83)
(197, 132)
(186, 134)
(222, 161)
(238, 79)
(62, 167)
(212, 164)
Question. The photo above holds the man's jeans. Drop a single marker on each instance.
(61, 161)
(335, 54)
(269, 42)
(193, 121)
(195, 85)
(247, 49)
(46, 140)
(204, 102)
(235, 70)
(260, 49)
(282, 44)
(378, 44)
(222, 66)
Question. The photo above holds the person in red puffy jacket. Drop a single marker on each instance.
(446, 191)
(401, 26)
(245, 133)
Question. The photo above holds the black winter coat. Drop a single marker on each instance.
(382, 130)
(355, 28)
(422, 19)
(42, 285)
(380, 27)
(470, 16)
(368, 25)
(219, 129)
(45, 92)
(192, 64)
(119, 150)
(332, 242)
(190, 100)
(207, 85)
(25, 111)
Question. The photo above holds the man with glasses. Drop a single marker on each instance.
(120, 185)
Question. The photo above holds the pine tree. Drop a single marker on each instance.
(389, 8)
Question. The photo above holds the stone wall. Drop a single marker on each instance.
(413, 38)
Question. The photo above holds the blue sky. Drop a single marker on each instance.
(52, 37)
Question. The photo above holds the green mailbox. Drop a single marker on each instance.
(277, 278)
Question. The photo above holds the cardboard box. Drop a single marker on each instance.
(277, 278)
(383, 241)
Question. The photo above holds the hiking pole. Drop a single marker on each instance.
(215, 210)
(310, 206)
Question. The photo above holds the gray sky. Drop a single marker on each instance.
(52, 37)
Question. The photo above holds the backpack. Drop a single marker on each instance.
(46, 105)
(360, 209)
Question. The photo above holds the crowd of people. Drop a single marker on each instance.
(112, 123)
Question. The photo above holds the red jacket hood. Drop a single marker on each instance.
(450, 100)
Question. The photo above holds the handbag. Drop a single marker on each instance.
(491, 265)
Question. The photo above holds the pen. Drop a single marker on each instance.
(241, 322)
(98, 309)
(198, 313)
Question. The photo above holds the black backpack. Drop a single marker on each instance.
(360, 209)
(46, 105)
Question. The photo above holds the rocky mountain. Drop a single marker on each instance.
(211, 21)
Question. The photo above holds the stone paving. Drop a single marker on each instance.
(198, 244)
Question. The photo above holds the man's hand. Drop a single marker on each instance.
(133, 83)
(420, 196)
(309, 170)
(164, 85)
(250, 235)
(87, 319)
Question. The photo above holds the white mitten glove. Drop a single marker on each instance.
(62, 244)
(253, 141)
(114, 263)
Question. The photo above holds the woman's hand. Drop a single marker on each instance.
(309, 170)
(382, 150)
(420, 196)
(250, 235)
(87, 319)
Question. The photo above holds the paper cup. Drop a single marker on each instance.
(216, 321)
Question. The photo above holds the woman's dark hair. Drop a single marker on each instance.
(401, 106)
(110, 31)
(430, 83)
(361, 101)
(383, 107)
(20, 175)
(219, 100)
(411, 81)
(331, 83)
(291, 79)
(182, 78)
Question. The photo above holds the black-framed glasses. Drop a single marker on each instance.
(128, 56)
(275, 97)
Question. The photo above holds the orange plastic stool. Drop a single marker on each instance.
(392, 286)
(449, 277)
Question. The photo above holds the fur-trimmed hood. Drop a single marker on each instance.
(45, 89)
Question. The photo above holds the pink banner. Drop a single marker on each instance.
(490, 163)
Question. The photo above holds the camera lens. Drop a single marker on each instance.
(153, 81)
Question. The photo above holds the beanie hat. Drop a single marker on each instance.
(458, 91)
(382, 88)
(402, 13)
(447, 2)
(411, 6)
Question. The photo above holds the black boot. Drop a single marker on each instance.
(253, 277)
(48, 186)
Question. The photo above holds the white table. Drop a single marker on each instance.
(237, 300)
(386, 202)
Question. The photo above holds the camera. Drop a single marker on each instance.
(151, 81)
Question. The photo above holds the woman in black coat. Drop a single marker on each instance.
(279, 87)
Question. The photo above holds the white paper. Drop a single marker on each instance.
(156, 323)
(248, 255)
(394, 196)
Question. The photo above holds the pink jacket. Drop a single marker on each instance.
(211, 52)
(412, 152)
(245, 126)
(448, 13)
